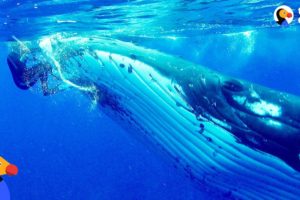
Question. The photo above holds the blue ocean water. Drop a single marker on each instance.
(66, 148)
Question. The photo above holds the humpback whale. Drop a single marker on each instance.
(229, 135)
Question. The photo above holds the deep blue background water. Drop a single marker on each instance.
(66, 149)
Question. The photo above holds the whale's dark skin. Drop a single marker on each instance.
(211, 95)
(259, 117)
(214, 98)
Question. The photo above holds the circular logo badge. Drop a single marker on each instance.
(283, 15)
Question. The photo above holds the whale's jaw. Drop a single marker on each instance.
(153, 99)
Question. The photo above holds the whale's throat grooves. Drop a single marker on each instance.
(209, 152)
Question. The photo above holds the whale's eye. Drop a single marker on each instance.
(233, 85)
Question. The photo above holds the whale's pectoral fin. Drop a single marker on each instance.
(269, 117)
(260, 118)
(289, 154)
